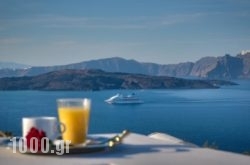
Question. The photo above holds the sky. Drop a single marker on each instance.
(56, 32)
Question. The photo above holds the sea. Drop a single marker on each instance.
(218, 117)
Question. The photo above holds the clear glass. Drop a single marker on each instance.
(74, 115)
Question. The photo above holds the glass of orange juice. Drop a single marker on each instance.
(74, 115)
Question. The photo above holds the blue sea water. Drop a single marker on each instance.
(220, 116)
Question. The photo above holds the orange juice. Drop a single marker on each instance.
(75, 120)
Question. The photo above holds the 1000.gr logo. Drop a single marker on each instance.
(35, 145)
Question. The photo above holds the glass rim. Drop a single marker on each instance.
(72, 99)
(74, 102)
(39, 118)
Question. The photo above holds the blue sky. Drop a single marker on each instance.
(52, 32)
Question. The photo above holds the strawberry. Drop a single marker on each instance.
(38, 134)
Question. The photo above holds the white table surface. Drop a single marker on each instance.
(135, 149)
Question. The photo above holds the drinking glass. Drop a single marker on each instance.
(74, 115)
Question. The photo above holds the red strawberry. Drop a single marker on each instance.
(38, 134)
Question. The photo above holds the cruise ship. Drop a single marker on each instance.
(120, 99)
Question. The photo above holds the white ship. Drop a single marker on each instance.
(120, 99)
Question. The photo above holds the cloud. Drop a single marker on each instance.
(114, 23)
(181, 18)
(64, 43)
(89, 45)
(91, 22)
(11, 41)
(140, 22)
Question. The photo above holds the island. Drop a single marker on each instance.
(94, 79)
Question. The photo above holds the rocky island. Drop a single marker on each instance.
(100, 80)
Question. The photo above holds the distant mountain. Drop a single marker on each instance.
(226, 67)
(245, 57)
(100, 80)
(13, 66)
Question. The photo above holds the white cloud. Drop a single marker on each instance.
(141, 22)
(65, 43)
(180, 18)
(10, 41)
